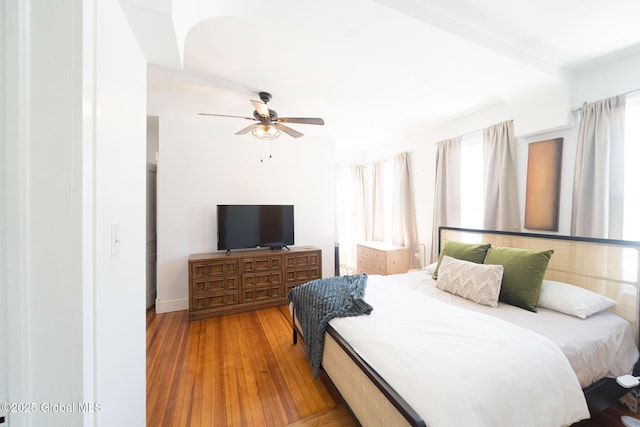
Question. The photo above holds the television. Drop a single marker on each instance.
(253, 226)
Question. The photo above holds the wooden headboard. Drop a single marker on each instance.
(608, 267)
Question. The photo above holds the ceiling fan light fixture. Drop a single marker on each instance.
(265, 132)
(267, 124)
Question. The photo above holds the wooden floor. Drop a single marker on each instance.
(235, 370)
(608, 418)
(242, 370)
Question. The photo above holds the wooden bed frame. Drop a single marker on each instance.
(608, 267)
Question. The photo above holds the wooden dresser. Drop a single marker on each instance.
(381, 258)
(248, 280)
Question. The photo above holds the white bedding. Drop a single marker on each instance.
(597, 347)
(493, 374)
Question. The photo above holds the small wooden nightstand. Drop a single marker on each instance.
(381, 258)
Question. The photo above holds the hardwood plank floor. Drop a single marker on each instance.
(608, 418)
(242, 370)
(235, 370)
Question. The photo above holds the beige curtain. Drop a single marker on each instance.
(404, 223)
(375, 202)
(350, 214)
(501, 205)
(446, 200)
(598, 180)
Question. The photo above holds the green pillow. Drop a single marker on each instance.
(472, 252)
(523, 273)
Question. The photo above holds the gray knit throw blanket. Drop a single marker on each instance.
(316, 303)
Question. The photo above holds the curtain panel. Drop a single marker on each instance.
(360, 208)
(446, 199)
(374, 197)
(501, 205)
(404, 231)
(350, 214)
(598, 180)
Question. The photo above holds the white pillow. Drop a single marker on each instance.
(431, 267)
(479, 283)
(572, 300)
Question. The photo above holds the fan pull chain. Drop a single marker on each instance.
(262, 152)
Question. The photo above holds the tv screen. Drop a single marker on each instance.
(251, 226)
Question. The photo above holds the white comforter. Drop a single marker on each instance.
(460, 368)
(601, 346)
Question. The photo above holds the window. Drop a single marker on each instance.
(471, 181)
(388, 200)
(631, 225)
(354, 207)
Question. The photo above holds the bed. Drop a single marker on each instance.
(562, 365)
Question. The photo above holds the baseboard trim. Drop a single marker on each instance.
(172, 305)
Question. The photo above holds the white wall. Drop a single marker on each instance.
(608, 79)
(75, 163)
(203, 164)
(120, 197)
(44, 157)
(532, 122)
(4, 367)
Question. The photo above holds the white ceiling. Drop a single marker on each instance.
(371, 69)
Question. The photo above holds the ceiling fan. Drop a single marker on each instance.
(269, 125)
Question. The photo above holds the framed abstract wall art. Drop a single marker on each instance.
(543, 185)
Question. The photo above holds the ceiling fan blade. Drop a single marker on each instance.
(261, 108)
(247, 129)
(225, 115)
(302, 120)
(286, 129)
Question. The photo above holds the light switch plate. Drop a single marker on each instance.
(115, 239)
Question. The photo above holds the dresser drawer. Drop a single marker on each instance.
(261, 279)
(369, 253)
(259, 294)
(261, 264)
(371, 265)
(302, 267)
(380, 258)
(227, 282)
(212, 268)
(215, 284)
(207, 302)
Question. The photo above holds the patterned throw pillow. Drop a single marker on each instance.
(479, 283)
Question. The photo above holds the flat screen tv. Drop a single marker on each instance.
(252, 226)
